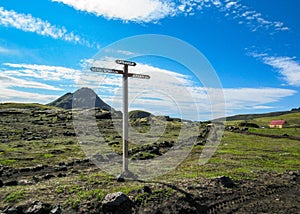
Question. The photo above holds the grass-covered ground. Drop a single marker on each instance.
(295, 132)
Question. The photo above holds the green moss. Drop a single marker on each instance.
(85, 195)
(144, 198)
(15, 196)
(24, 106)
(7, 162)
(143, 156)
(48, 155)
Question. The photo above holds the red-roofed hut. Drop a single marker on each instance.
(277, 124)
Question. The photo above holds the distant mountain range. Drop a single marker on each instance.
(82, 98)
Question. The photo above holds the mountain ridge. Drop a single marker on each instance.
(254, 116)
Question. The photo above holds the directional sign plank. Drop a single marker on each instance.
(106, 70)
(139, 76)
(124, 62)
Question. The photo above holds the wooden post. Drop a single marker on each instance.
(125, 119)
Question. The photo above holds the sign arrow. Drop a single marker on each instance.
(106, 70)
(139, 76)
(124, 62)
(115, 71)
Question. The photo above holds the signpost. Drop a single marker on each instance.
(124, 72)
(124, 62)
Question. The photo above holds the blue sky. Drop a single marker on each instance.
(253, 46)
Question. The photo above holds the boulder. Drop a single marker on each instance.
(38, 207)
(226, 181)
(145, 189)
(11, 183)
(56, 210)
(13, 210)
(117, 203)
(48, 176)
(69, 134)
(104, 116)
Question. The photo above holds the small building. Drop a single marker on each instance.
(277, 124)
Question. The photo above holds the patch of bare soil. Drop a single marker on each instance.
(270, 193)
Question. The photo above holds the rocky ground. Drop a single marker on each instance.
(269, 193)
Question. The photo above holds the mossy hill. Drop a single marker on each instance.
(23, 106)
(292, 119)
(263, 115)
(136, 114)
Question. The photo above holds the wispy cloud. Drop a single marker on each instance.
(28, 82)
(12, 89)
(14, 95)
(44, 72)
(254, 98)
(235, 10)
(288, 67)
(8, 81)
(28, 23)
(130, 10)
(250, 17)
(7, 51)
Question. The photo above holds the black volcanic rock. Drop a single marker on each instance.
(82, 98)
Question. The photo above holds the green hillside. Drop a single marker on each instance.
(292, 119)
(263, 115)
(139, 114)
(290, 130)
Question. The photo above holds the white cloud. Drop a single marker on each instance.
(129, 10)
(10, 93)
(262, 107)
(142, 11)
(44, 72)
(126, 53)
(250, 17)
(234, 9)
(28, 23)
(288, 67)
(7, 51)
(9, 81)
(253, 98)
(17, 79)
